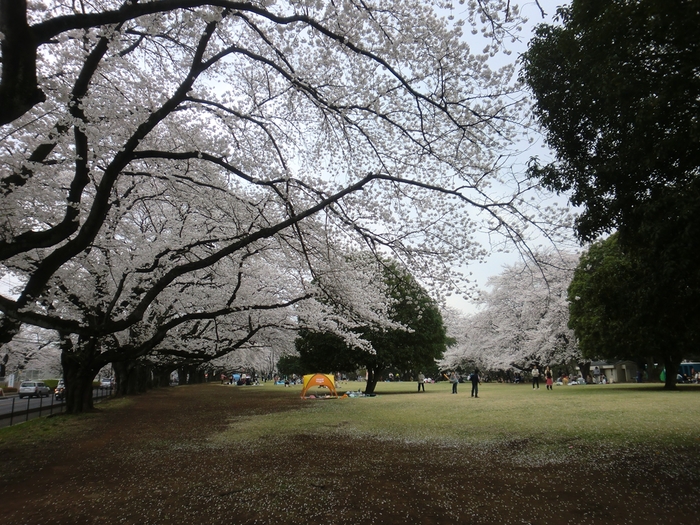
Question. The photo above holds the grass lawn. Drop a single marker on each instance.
(610, 414)
(243, 455)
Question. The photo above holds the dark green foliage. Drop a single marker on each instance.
(606, 304)
(622, 307)
(396, 349)
(618, 92)
(289, 365)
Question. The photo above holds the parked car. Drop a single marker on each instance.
(60, 391)
(33, 388)
(106, 382)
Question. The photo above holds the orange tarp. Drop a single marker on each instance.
(312, 380)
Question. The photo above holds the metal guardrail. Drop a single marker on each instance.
(14, 410)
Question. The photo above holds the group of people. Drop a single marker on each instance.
(598, 378)
(548, 378)
(454, 378)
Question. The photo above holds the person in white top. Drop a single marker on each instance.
(535, 377)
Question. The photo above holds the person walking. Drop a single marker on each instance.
(476, 381)
(454, 379)
(535, 377)
(549, 379)
(421, 381)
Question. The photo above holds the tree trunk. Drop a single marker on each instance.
(19, 91)
(673, 363)
(585, 368)
(372, 378)
(162, 378)
(79, 369)
(129, 383)
(143, 378)
(121, 375)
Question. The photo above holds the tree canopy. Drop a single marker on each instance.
(618, 94)
(413, 345)
(617, 90)
(522, 319)
(178, 177)
(619, 310)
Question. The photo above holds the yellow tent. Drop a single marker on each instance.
(312, 380)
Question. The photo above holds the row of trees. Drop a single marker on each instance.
(183, 179)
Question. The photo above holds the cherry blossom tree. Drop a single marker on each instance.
(167, 164)
(33, 349)
(523, 319)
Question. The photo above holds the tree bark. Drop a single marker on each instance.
(18, 85)
(143, 378)
(672, 363)
(162, 376)
(120, 376)
(79, 369)
(128, 385)
(372, 378)
(585, 368)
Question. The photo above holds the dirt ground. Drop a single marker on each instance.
(152, 462)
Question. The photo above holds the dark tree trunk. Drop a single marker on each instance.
(585, 368)
(19, 91)
(673, 363)
(372, 378)
(118, 378)
(143, 378)
(162, 376)
(80, 366)
(121, 375)
(129, 384)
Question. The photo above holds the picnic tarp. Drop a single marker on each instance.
(315, 380)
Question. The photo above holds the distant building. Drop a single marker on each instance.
(616, 371)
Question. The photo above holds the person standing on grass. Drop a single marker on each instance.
(548, 378)
(476, 381)
(421, 381)
(535, 377)
(454, 379)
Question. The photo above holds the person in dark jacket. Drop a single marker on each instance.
(476, 381)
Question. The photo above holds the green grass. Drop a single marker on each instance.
(37, 430)
(614, 415)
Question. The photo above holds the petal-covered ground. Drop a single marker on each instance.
(155, 460)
